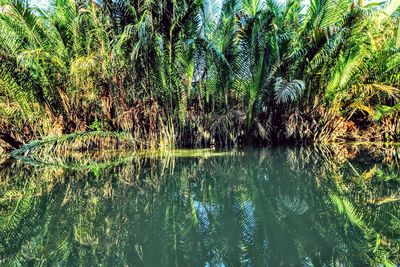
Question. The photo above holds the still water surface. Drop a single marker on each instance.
(269, 207)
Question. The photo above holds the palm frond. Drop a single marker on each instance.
(286, 91)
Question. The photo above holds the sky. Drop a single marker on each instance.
(40, 3)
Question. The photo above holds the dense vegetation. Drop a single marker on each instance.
(200, 72)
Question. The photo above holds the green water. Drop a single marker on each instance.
(269, 207)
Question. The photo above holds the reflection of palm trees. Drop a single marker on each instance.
(271, 207)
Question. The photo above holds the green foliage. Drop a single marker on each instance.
(80, 62)
(96, 126)
(288, 91)
(77, 141)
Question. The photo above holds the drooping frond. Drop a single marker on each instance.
(286, 91)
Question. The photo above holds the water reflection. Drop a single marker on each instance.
(270, 207)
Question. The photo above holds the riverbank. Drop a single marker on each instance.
(201, 130)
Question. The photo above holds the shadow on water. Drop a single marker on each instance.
(270, 207)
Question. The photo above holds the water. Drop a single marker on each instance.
(269, 207)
